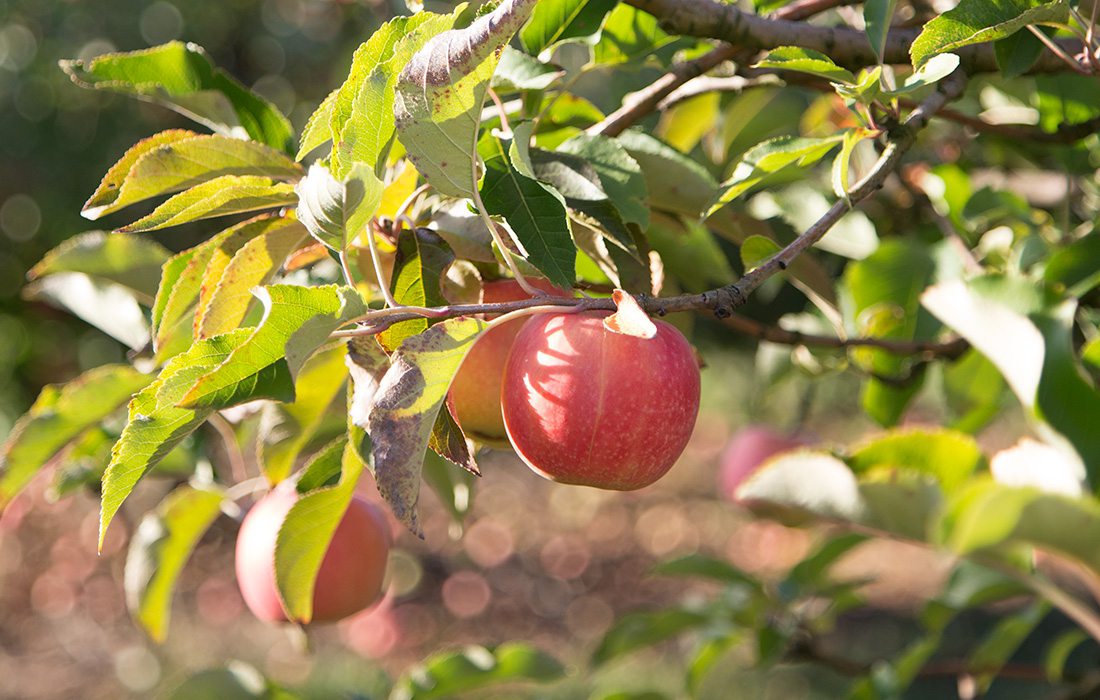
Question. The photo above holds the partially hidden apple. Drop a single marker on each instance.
(587, 405)
(747, 450)
(351, 573)
(474, 398)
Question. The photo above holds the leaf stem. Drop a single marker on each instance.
(345, 266)
(504, 252)
(376, 261)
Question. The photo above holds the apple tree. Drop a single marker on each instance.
(503, 228)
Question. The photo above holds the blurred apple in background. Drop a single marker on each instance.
(748, 449)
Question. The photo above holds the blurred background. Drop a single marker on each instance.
(553, 565)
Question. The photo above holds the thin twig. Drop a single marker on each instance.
(711, 19)
(376, 260)
(950, 349)
(1057, 50)
(505, 126)
(345, 266)
(410, 201)
(647, 100)
(233, 452)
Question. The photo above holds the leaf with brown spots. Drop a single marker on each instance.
(440, 94)
(421, 262)
(407, 405)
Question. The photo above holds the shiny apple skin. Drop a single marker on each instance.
(351, 573)
(586, 405)
(474, 398)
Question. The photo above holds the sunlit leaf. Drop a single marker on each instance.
(181, 77)
(110, 307)
(335, 212)
(59, 415)
(440, 92)
(286, 428)
(157, 423)
(406, 406)
(769, 157)
(159, 549)
(448, 674)
(180, 161)
(229, 194)
(977, 21)
(297, 321)
(796, 58)
(557, 21)
(131, 261)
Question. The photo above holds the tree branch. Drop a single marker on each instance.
(710, 19)
(647, 100)
(724, 300)
(951, 349)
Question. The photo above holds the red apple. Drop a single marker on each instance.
(748, 449)
(351, 572)
(587, 405)
(474, 398)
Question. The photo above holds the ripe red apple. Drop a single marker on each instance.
(474, 398)
(351, 572)
(748, 449)
(587, 405)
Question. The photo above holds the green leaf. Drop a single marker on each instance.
(110, 307)
(448, 674)
(535, 213)
(674, 182)
(237, 681)
(690, 252)
(1074, 266)
(877, 16)
(157, 423)
(620, 175)
(757, 250)
(557, 21)
(453, 487)
(181, 77)
(798, 59)
(297, 321)
(843, 161)
(950, 457)
(1027, 334)
(638, 630)
(1059, 651)
(629, 34)
(177, 162)
(440, 92)
(815, 567)
(60, 414)
(336, 212)
(225, 298)
(885, 289)
(518, 71)
(130, 261)
(419, 265)
(769, 157)
(361, 122)
(159, 549)
(406, 405)
(697, 565)
(932, 71)
(306, 532)
(973, 388)
(1017, 53)
(987, 516)
(977, 21)
(316, 131)
(579, 183)
(286, 429)
(1065, 99)
(108, 190)
(1003, 641)
(229, 194)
